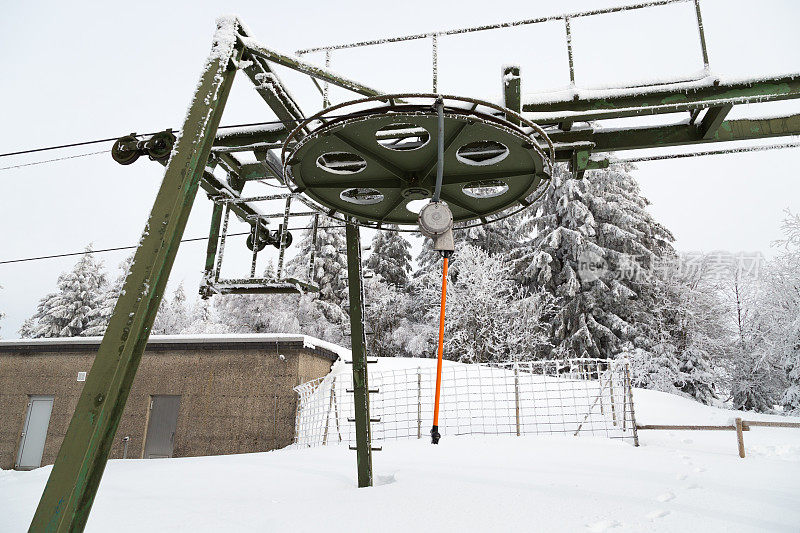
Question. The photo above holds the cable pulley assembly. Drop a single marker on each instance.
(127, 149)
(264, 237)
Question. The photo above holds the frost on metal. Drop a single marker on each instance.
(639, 87)
(270, 82)
(221, 53)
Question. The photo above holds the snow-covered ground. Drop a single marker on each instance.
(676, 481)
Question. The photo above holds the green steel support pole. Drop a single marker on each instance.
(358, 341)
(512, 93)
(213, 239)
(74, 480)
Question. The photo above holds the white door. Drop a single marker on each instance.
(31, 446)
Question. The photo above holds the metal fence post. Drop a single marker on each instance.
(611, 395)
(70, 491)
(419, 403)
(629, 386)
(516, 395)
(328, 416)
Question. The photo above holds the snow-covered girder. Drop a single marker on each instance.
(582, 105)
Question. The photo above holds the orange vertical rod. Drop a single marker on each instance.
(435, 430)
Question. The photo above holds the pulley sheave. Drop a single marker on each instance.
(378, 163)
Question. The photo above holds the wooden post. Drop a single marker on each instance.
(516, 395)
(740, 437)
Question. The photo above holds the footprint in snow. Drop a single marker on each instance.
(681, 477)
(385, 480)
(599, 527)
(659, 513)
(699, 469)
(667, 496)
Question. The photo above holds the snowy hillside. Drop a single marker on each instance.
(676, 481)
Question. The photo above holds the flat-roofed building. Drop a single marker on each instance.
(192, 395)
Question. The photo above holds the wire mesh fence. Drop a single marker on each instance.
(574, 396)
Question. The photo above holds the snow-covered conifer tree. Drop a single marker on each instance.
(791, 365)
(688, 340)
(488, 317)
(330, 264)
(173, 314)
(100, 315)
(390, 257)
(428, 260)
(385, 312)
(256, 313)
(779, 305)
(67, 312)
(588, 244)
(756, 375)
(500, 237)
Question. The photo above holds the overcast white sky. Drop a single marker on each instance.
(86, 70)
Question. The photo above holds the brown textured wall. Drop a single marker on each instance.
(233, 399)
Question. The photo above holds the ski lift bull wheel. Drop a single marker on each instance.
(376, 159)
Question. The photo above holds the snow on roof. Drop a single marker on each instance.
(308, 342)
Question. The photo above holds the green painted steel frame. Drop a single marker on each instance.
(359, 351)
(73, 483)
(74, 480)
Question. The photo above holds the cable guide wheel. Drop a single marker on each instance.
(376, 160)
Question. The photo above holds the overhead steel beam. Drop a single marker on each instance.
(75, 478)
(251, 136)
(269, 86)
(666, 99)
(676, 135)
(295, 63)
(769, 89)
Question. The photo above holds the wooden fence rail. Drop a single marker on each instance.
(739, 426)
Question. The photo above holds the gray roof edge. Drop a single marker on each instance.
(178, 341)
